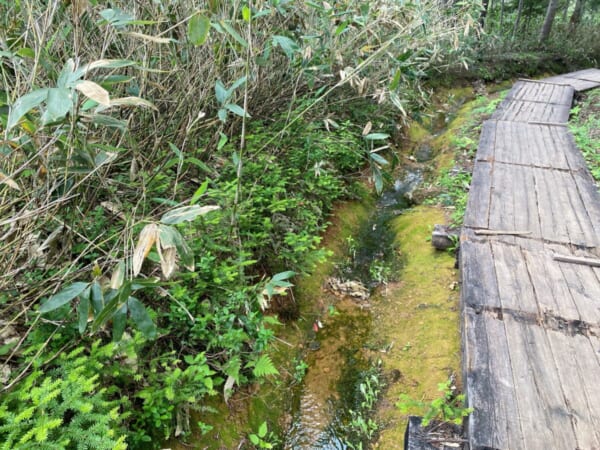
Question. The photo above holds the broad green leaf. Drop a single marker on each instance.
(199, 192)
(63, 297)
(25, 104)
(222, 115)
(378, 179)
(288, 46)
(239, 82)
(222, 141)
(283, 275)
(120, 297)
(221, 92)
(233, 33)
(83, 310)
(378, 158)
(198, 29)
(66, 74)
(186, 214)
(376, 136)
(119, 18)
(119, 321)
(262, 430)
(141, 318)
(58, 103)
(108, 121)
(237, 110)
(97, 297)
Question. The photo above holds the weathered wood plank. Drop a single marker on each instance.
(551, 290)
(514, 286)
(577, 84)
(571, 354)
(478, 274)
(584, 290)
(543, 415)
(541, 92)
(521, 111)
(502, 214)
(478, 203)
(487, 142)
(586, 74)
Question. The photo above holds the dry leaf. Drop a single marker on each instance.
(157, 40)
(168, 259)
(9, 181)
(132, 101)
(147, 239)
(367, 128)
(94, 91)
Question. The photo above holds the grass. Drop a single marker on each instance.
(585, 126)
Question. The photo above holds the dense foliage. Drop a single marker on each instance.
(166, 169)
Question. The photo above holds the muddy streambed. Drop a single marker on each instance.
(345, 349)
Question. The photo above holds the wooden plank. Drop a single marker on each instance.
(553, 226)
(577, 84)
(567, 202)
(579, 384)
(586, 74)
(494, 423)
(514, 286)
(551, 289)
(584, 289)
(590, 197)
(572, 154)
(478, 275)
(478, 203)
(487, 142)
(532, 91)
(502, 214)
(544, 418)
(521, 111)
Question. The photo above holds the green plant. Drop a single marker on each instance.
(300, 368)
(450, 407)
(362, 427)
(262, 438)
(65, 408)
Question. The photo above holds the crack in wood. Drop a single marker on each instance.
(548, 320)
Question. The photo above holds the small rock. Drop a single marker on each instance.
(444, 237)
(354, 289)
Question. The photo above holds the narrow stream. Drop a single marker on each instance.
(357, 319)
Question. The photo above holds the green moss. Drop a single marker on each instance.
(418, 320)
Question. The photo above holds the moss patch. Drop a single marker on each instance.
(417, 321)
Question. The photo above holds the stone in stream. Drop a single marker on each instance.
(352, 288)
(444, 237)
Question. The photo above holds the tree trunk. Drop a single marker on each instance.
(566, 10)
(547, 27)
(483, 14)
(576, 16)
(518, 20)
(501, 16)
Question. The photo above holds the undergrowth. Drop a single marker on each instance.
(584, 124)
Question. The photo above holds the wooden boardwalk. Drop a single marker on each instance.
(531, 323)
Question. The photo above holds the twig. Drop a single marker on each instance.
(499, 232)
(577, 260)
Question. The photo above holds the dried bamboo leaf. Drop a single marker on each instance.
(147, 239)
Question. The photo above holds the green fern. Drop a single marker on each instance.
(263, 366)
(62, 409)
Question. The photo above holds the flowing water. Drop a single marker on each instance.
(407, 330)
